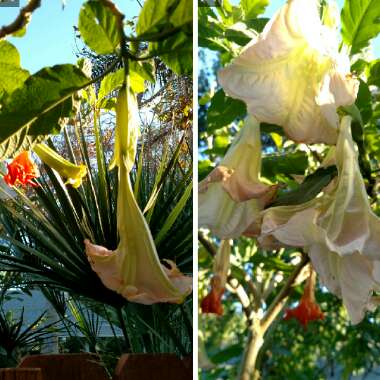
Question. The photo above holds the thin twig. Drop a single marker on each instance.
(21, 20)
(278, 303)
(209, 247)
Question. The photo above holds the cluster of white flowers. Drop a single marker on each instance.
(292, 75)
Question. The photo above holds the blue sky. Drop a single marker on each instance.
(50, 37)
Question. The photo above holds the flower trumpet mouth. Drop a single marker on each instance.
(66, 169)
(307, 310)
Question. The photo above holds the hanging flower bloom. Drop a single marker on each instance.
(212, 302)
(338, 229)
(307, 310)
(232, 196)
(134, 269)
(73, 173)
(349, 223)
(292, 74)
(21, 171)
(352, 277)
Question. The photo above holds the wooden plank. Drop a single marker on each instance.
(153, 367)
(82, 366)
(21, 374)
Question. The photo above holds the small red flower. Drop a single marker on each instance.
(212, 303)
(307, 310)
(21, 170)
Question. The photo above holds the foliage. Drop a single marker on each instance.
(73, 111)
(328, 348)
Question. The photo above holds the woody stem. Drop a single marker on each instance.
(258, 328)
(248, 365)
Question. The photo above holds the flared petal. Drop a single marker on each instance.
(351, 278)
(291, 75)
(308, 309)
(232, 196)
(134, 269)
(349, 223)
(293, 226)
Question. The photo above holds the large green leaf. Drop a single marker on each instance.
(308, 189)
(291, 163)
(11, 74)
(9, 54)
(154, 14)
(113, 81)
(360, 23)
(34, 108)
(253, 8)
(224, 110)
(157, 15)
(183, 14)
(176, 52)
(98, 27)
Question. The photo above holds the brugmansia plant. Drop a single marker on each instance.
(310, 209)
(78, 225)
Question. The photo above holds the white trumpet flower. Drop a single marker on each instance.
(292, 74)
(232, 196)
(134, 269)
(339, 230)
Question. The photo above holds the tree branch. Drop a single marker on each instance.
(279, 301)
(209, 247)
(21, 20)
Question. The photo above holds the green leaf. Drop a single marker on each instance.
(308, 189)
(225, 354)
(113, 81)
(204, 169)
(176, 52)
(9, 54)
(183, 14)
(373, 73)
(164, 14)
(11, 77)
(359, 66)
(253, 8)
(174, 214)
(257, 24)
(364, 102)
(11, 74)
(34, 108)
(224, 110)
(153, 14)
(98, 27)
(360, 23)
(143, 69)
(291, 163)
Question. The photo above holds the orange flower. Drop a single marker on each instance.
(212, 303)
(21, 170)
(307, 310)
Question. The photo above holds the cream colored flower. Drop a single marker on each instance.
(292, 74)
(134, 269)
(339, 231)
(71, 172)
(232, 196)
